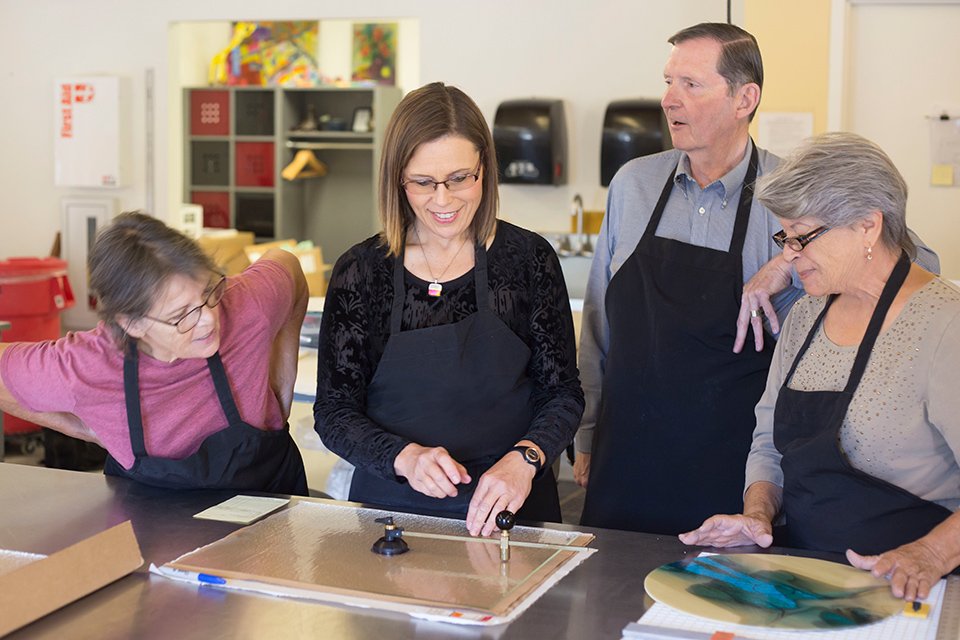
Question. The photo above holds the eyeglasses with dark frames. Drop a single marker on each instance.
(190, 319)
(797, 243)
(424, 187)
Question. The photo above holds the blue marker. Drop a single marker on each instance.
(202, 578)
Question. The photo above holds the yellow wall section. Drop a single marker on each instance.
(794, 39)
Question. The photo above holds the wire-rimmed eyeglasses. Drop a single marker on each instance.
(190, 319)
(424, 186)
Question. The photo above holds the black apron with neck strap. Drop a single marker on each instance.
(829, 504)
(462, 386)
(677, 405)
(239, 457)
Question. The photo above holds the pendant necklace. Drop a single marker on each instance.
(435, 288)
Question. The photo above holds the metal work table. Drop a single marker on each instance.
(44, 510)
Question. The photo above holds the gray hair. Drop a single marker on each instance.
(131, 261)
(838, 178)
(740, 62)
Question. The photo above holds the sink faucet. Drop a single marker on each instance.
(585, 249)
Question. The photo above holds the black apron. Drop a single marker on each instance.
(830, 505)
(461, 386)
(677, 405)
(239, 457)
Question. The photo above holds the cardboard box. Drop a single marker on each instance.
(41, 587)
(315, 271)
(254, 251)
(311, 261)
(226, 247)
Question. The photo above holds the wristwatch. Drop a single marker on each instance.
(531, 455)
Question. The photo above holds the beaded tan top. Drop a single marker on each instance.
(903, 424)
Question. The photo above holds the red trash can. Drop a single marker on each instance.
(33, 292)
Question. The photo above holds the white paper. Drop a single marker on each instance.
(944, 151)
(243, 509)
(780, 133)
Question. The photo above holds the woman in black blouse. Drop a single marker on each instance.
(447, 362)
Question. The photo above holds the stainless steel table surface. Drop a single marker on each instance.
(44, 510)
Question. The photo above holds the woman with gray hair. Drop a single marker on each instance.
(187, 380)
(858, 429)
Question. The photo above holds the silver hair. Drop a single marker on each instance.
(838, 178)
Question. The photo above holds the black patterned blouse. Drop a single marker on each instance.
(527, 292)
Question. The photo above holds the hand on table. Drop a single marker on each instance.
(773, 277)
(505, 486)
(730, 531)
(581, 469)
(912, 569)
(430, 470)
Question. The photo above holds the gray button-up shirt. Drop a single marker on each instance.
(701, 217)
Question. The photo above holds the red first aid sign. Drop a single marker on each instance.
(66, 110)
(87, 143)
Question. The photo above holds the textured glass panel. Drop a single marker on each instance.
(327, 547)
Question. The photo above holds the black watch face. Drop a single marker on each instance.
(532, 455)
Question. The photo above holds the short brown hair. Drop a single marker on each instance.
(740, 62)
(432, 112)
(131, 261)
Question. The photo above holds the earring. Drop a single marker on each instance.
(869, 252)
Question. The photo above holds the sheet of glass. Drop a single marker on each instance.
(773, 591)
(13, 560)
(327, 547)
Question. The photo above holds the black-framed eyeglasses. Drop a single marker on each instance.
(797, 243)
(190, 319)
(424, 187)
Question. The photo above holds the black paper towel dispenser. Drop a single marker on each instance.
(631, 128)
(530, 137)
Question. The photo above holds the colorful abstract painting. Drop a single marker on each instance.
(270, 54)
(375, 53)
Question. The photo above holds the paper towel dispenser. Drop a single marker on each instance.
(530, 137)
(631, 128)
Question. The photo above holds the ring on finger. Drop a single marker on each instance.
(756, 313)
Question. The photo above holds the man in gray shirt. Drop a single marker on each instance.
(670, 392)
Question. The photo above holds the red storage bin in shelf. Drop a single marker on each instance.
(254, 164)
(216, 208)
(210, 113)
(33, 292)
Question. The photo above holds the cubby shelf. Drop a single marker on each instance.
(238, 140)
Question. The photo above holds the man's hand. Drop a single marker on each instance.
(581, 469)
(773, 277)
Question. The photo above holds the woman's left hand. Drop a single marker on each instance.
(912, 569)
(504, 486)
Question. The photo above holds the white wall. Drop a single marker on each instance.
(903, 66)
(585, 52)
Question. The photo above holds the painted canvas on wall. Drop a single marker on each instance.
(270, 54)
(375, 53)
